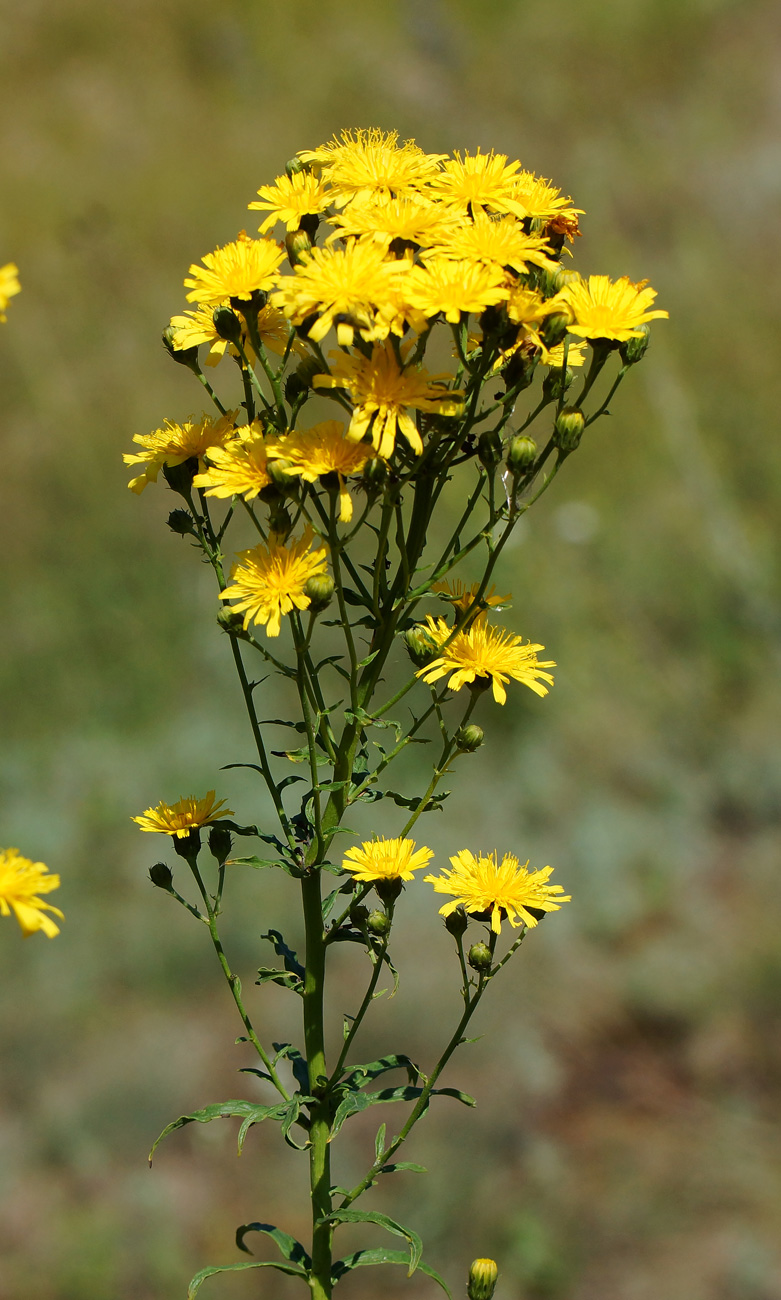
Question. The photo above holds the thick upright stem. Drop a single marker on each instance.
(319, 1152)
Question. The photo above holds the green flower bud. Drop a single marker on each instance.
(521, 453)
(378, 923)
(231, 621)
(320, 589)
(633, 350)
(489, 449)
(420, 648)
(568, 429)
(359, 915)
(389, 889)
(162, 876)
(295, 165)
(298, 245)
(556, 383)
(554, 328)
(375, 473)
(279, 473)
(483, 1275)
(457, 922)
(300, 381)
(227, 324)
(180, 477)
(188, 846)
(469, 738)
(220, 843)
(279, 521)
(181, 522)
(184, 356)
(479, 957)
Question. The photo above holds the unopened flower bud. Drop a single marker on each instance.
(180, 477)
(300, 381)
(483, 1275)
(231, 621)
(420, 647)
(556, 383)
(469, 738)
(633, 350)
(457, 922)
(184, 356)
(227, 324)
(295, 165)
(389, 889)
(162, 876)
(359, 915)
(181, 522)
(220, 843)
(554, 328)
(279, 473)
(489, 449)
(568, 429)
(320, 589)
(298, 245)
(188, 846)
(378, 923)
(279, 521)
(479, 957)
(521, 453)
(374, 474)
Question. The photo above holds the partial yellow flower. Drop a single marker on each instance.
(269, 581)
(484, 886)
(9, 287)
(528, 307)
(346, 287)
(187, 814)
(364, 165)
(608, 309)
(21, 881)
(554, 357)
(412, 220)
(383, 859)
(290, 198)
(543, 202)
(193, 328)
(500, 241)
(484, 651)
(481, 180)
(238, 468)
(236, 270)
(454, 287)
(382, 393)
(323, 449)
(173, 444)
(462, 597)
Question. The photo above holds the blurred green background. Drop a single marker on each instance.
(625, 1145)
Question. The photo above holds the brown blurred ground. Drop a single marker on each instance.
(626, 1144)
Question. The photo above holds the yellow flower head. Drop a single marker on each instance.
(483, 651)
(386, 860)
(542, 202)
(381, 393)
(173, 444)
(608, 309)
(481, 884)
(411, 219)
(528, 307)
(554, 357)
(196, 327)
(323, 449)
(462, 597)
(235, 270)
(499, 241)
(179, 818)
(347, 287)
(481, 180)
(452, 287)
(9, 287)
(365, 165)
(269, 580)
(238, 468)
(21, 881)
(290, 198)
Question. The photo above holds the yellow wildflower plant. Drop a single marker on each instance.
(290, 199)
(323, 449)
(9, 286)
(187, 814)
(269, 580)
(239, 468)
(21, 883)
(382, 859)
(488, 888)
(609, 309)
(485, 651)
(174, 443)
(237, 270)
(382, 394)
(366, 165)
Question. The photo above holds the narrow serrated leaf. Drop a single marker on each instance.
(361, 1258)
(289, 1247)
(382, 1221)
(201, 1277)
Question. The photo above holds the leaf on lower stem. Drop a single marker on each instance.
(382, 1221)
(201, 1277)
(361, 1258)
(289, 1247)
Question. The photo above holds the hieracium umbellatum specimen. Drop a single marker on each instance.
(354, 557)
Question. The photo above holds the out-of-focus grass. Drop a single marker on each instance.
(629, 1075)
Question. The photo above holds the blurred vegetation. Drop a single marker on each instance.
(629, 1077)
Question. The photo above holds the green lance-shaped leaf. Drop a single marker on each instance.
(382, 1221)
(289, 957)
(247, 1111)
(201, 1277)
(364, 1257)
(357, 1076)
(291, 1249)
(355, 1102)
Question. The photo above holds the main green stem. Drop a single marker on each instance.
(320, 1120)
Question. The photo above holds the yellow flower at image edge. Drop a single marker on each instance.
(485, 651)
(269, 581)
(21, 881)
(386, 860)
(9, 285)
(481, 884)
(183, 816)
